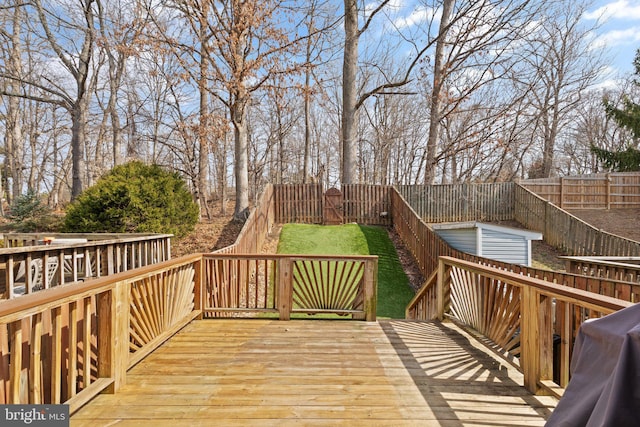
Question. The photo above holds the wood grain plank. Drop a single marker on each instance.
(314, 372)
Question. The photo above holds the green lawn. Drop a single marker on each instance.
(394, 292)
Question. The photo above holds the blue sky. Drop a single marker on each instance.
(620, 30)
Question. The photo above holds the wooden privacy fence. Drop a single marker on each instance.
(534, 322)
(566, 232)
(304, 203)
(596, 191)
(26, 269)
(426, 247)
(68, 343)
(257, 227)
(374, 205)
(460, 202)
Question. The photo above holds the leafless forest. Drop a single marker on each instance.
(237, 93)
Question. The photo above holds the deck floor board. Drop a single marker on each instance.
(316, 372)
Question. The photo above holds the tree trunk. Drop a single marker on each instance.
(436, 94)
(201, 192)
(241, 211)
(78, 120)
(307, 127)
(349, 92)
(14, 144)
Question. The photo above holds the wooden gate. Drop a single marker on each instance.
(333, 210)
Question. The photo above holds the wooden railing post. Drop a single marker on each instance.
(284, 287)
(529, 337)
(370, 290)
(113, 335)
(198, 286)
(545, 320)
(111, 260)
(442, 270)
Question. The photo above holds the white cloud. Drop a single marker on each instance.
(620, 9)
(416, 17)
(618, 37)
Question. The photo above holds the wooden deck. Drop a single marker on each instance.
(315, 372)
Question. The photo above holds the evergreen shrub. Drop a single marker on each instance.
(134, 198)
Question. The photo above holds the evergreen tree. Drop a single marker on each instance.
(628, 117)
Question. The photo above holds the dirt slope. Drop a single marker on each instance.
(621, 222)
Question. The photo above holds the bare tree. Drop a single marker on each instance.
(13, 146)
(70, 39)
(565, 65)
(247, 43)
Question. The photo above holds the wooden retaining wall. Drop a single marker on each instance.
(597, 191)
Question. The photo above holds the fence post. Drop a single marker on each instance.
(284, 287)
(608, 184)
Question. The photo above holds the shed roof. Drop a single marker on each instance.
(527, 234)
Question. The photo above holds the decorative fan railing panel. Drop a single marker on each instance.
(534, 320)
(71, 342)
(159, 302)
(260, 285)
(488, 305)
(328, 285)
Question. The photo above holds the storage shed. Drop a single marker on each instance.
(506, 244)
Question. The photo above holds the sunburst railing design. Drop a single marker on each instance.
(159, 302)
(327, 285)
(488, 305)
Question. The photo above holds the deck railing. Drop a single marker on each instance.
(68, 343)
(25, 269)
(625, 269)
(531, 321)
(290, 284)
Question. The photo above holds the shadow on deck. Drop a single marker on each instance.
(314, 372)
